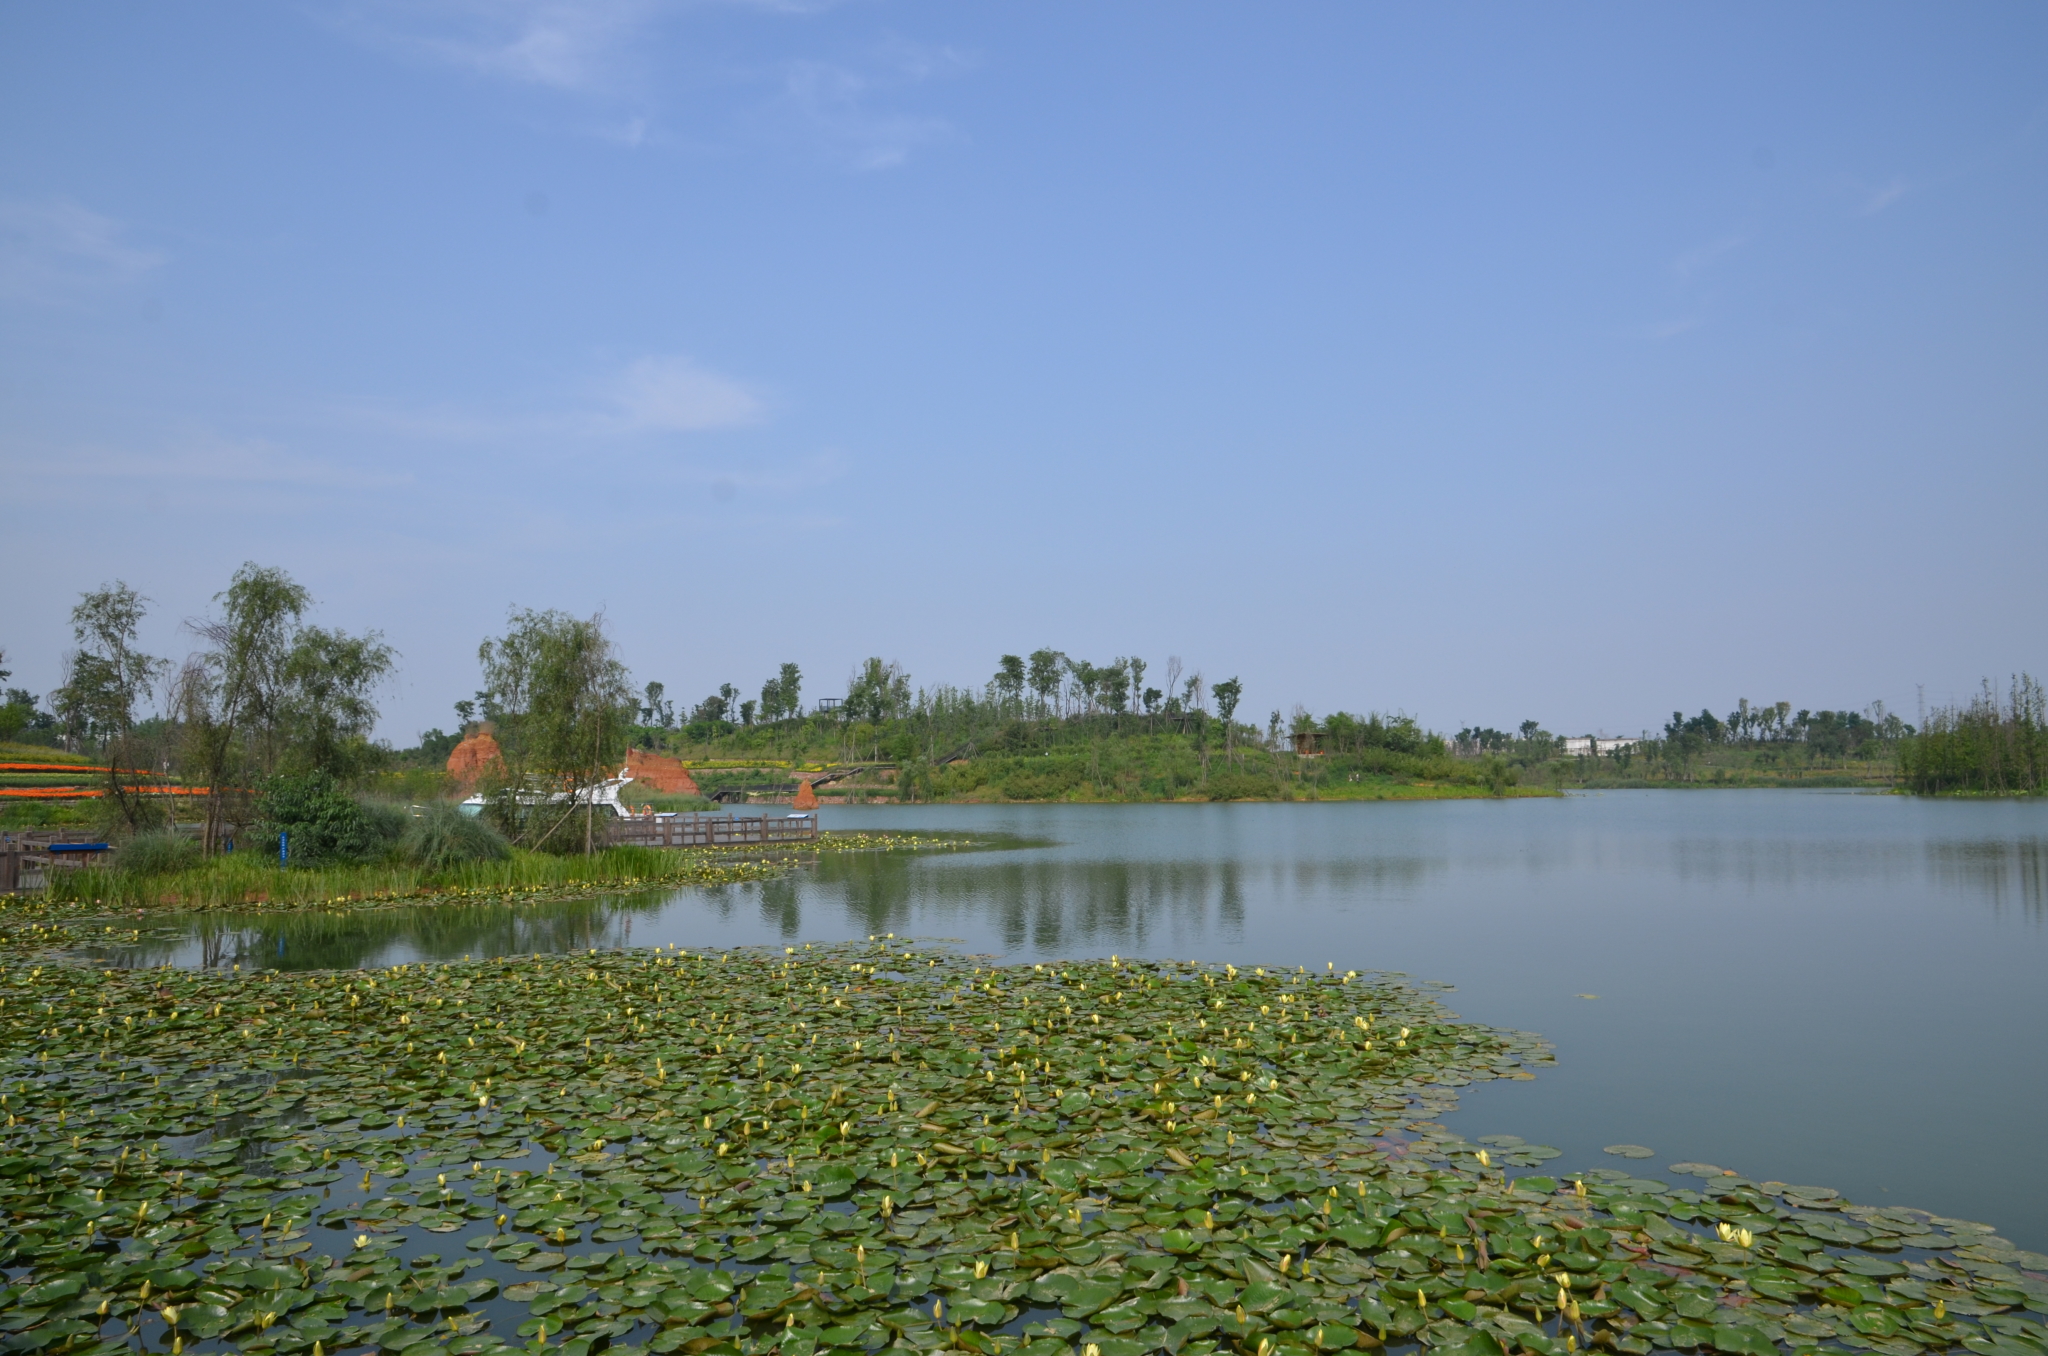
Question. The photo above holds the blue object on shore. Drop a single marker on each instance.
(78, 847)
(283, 850)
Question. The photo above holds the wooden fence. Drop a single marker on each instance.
(712, 830)
(28, 856)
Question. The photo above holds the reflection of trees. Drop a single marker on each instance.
(1050, 905)
(1018, 901)
(1998, 868)
(319, 940)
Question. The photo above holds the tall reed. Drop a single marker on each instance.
(249, 878)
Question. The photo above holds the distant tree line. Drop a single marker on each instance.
(1986, 746)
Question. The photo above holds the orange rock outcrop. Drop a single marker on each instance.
(806, 798)
(477, 755)
(657, 773)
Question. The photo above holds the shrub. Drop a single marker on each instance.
(322, 822)
(441, 835)
(1240, 786)
(156, 854)
(386, 823)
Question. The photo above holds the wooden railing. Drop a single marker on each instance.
(27, 856)
(711, 830)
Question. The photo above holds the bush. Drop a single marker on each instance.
(322, 822)
(386, 822)
(441, 835)
(1240, 786)
(156, 854)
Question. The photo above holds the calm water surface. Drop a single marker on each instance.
(1828, 988)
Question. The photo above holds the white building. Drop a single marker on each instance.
(1580, 746)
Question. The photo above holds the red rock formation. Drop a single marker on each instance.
(656, 773)
(477, 755)
(806, 798)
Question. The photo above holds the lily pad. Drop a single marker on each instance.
(1629, 1151)
(1157, 1151)
(542, 1261)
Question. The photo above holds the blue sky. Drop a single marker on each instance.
(1481, 361)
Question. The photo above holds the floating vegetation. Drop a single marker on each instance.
(826, 1151)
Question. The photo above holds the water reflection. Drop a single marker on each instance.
(2001, 871)
(1776, 972)
(1028, 902)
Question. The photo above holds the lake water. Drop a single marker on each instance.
(1827, 988)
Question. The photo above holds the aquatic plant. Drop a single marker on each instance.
(243, 880)
(836, 1149)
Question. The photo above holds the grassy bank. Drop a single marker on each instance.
(242, 880)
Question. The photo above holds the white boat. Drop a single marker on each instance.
(604, 795)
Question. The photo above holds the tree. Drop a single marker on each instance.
(1046, 669)
(270, 696)
(1228, 693)
(1112, 686)
(107, 676)
(232, 695)
(655, 711)
(1135, 667)
(747, 709)
(326, 708)
(1009, 680)
(792, 680)
(781, 696)
(564, 704)
(879, 691)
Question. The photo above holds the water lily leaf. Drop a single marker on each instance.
(1261, 1296)
(1085, 1296)
(1742, 1340)
(1357, 1235)
(1629, 1151)
(542, 1261)
(1470, 1342)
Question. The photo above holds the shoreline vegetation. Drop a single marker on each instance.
(266, 729)
(245, 881)
(835, 1150)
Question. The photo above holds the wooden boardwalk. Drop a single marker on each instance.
(704, 830)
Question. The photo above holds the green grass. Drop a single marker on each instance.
(245, 879)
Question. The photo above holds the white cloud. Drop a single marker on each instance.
(56, 249)
(1671, 329)
(673, 394)
(829, 103)
(658, 393)
(606, 50)
(1884, 197)
(586, 46)
(1697, 260)
(212, 459)
(562, 44)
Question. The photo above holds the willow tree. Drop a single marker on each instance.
(564, 706)
(106, 677)
(270, 696)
